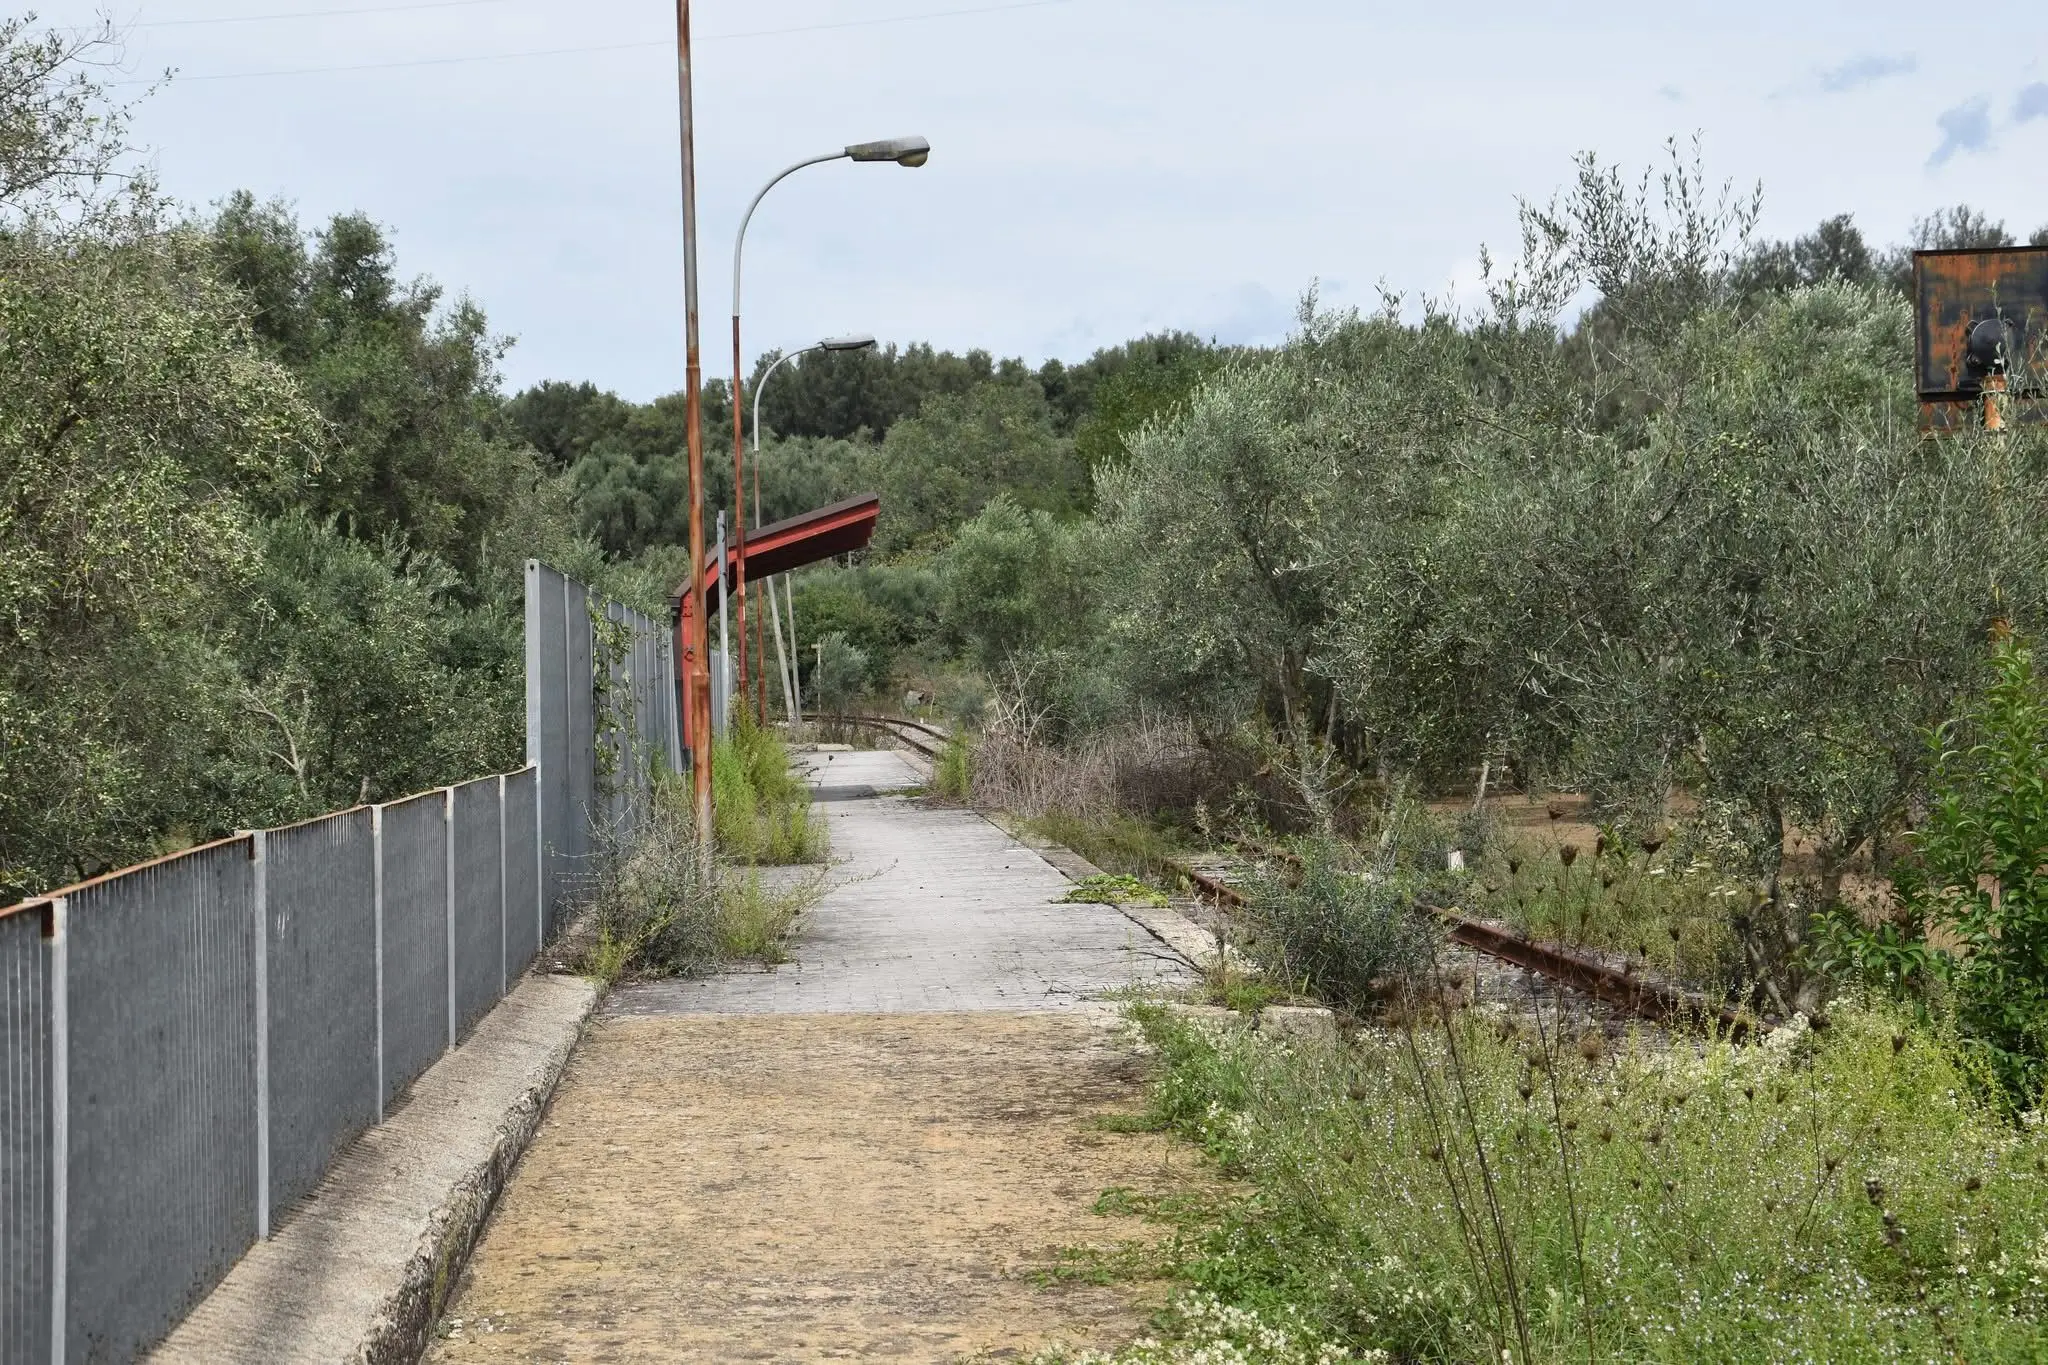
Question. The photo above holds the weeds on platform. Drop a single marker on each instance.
(1470, 1186)
(659, 910)
(1124, 845)
(1114, 888)
(757, 921)
(953, 771)
(763, 809)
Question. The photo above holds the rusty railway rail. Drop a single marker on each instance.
(1657, 1001)
(912, 734)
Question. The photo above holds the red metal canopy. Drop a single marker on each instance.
(794, 542)
(775, 548)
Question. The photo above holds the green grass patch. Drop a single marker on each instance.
(761, 807)
(1468, 1190)
(1126, 1261)
(1118, 844)
(1113, 888)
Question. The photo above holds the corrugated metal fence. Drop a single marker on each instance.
(186, 1045)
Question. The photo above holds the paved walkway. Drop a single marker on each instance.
(873, 1152)
(931, 909)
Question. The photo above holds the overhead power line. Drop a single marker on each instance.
(313, 13)
(548, 51)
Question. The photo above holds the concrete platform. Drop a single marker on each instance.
(359, 1270)
(932, 909)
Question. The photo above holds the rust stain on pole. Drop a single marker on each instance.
(699, 663)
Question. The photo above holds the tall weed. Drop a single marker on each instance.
(1474, 1188)
(659, 911)
(761, 807)
(656, 906)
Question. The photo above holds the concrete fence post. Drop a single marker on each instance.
(448, 884)
(504, 893)
(540, 863)
(377, 934)
(60, 1120)
(259, 851)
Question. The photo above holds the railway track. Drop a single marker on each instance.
(1619, 987)
(920, 738)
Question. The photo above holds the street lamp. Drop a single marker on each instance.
(785, 663)
(904, 151)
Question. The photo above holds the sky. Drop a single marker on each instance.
(1100, 169)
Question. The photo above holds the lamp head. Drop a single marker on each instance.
(854, 343)
(904, 151)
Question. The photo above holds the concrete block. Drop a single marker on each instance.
(1299, 1021)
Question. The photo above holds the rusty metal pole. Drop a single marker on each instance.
(699, 662)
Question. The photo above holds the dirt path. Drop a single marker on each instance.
(875, 1152)
(817, 1187)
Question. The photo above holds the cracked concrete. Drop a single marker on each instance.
(876, 1151)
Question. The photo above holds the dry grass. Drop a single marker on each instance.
(1142, 768)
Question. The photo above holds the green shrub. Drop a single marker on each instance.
(840, 676)
(1339, 933)
(1979, 875)
(761, 808)
(953, 773)
(1471, 1191)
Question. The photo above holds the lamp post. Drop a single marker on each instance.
(786, 662)
(904, 151)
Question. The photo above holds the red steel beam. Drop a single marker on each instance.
(792, 543)
(777, 548)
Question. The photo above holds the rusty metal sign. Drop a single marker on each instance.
(1980, 324)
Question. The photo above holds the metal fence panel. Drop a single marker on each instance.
(522, 871)
(26, 1137)
(618, 720)
(581, 795)
(322, 991)
(415, 939)
(547, 717)
(580, 770)
(162, 1098)
(479, 903)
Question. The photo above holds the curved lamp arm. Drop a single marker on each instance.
(904, 151)
(762, 383)
(847, 343)
(741, 240)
